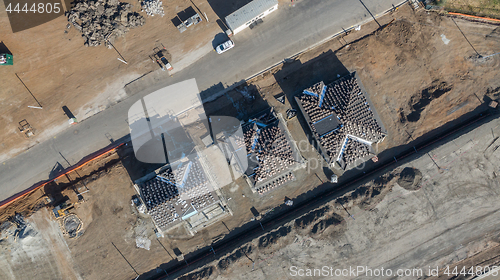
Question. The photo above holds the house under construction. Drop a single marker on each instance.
(271, 153)
(181, 193)
(342, 120)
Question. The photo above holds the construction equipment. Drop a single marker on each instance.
(187, 18)
(26, 129)
(62, 209)
(6, 59)
(160, 58)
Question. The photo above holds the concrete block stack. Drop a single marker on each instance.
(153, 7)
(102, 21)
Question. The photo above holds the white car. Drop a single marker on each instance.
(224, 46)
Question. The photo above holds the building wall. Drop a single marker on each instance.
(268, 11)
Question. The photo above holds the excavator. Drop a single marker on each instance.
(62, 209)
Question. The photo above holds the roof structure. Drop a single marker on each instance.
(327, 124)
(249, 12)
(342, 120)
(175, 195)
(271, 157)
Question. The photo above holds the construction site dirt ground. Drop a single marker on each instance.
(59, 70)
(419, 71)
(110, 220)
(419, 83)
(58, 188)
(413, 217)
(450, 215)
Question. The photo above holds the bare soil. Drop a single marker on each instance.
(417, 80)
(59, 189)
(418, 83)
(60, 71)
(450, 220)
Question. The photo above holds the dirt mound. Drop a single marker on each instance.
(310, 217)
(369, 193)
(273, 237)
(225, 262)
(324, 224)
(493, 92)
(419, 101)
(494, 34)
(410, 178)
(26, 206)
(198, 275)
(405, 39)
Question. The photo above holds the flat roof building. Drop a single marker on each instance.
(250, 14)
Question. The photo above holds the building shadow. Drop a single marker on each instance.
(219, 39)
(4, 49)
(68, 112)
(135, 168)
(176, 21)
(214, 89)
(241, 101)
(224, 8)
(177, 252)
(56, 170)
(222, 25)
(295, 76)
(254, 211)
(187, 13)
(20, 21)
(328, 172)
(183, 16)
(54, 191)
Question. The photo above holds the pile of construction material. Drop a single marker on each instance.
(102, 21)
(142, 242)
(153, 7)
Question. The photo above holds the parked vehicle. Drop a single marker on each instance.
(224, 46)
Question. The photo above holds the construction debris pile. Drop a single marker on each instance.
(16, 229)
(142, 242)
(153, 7)
(102, 21)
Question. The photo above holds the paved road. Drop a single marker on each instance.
(282, 34)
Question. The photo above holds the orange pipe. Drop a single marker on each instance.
(30, 190)
(459, 14)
